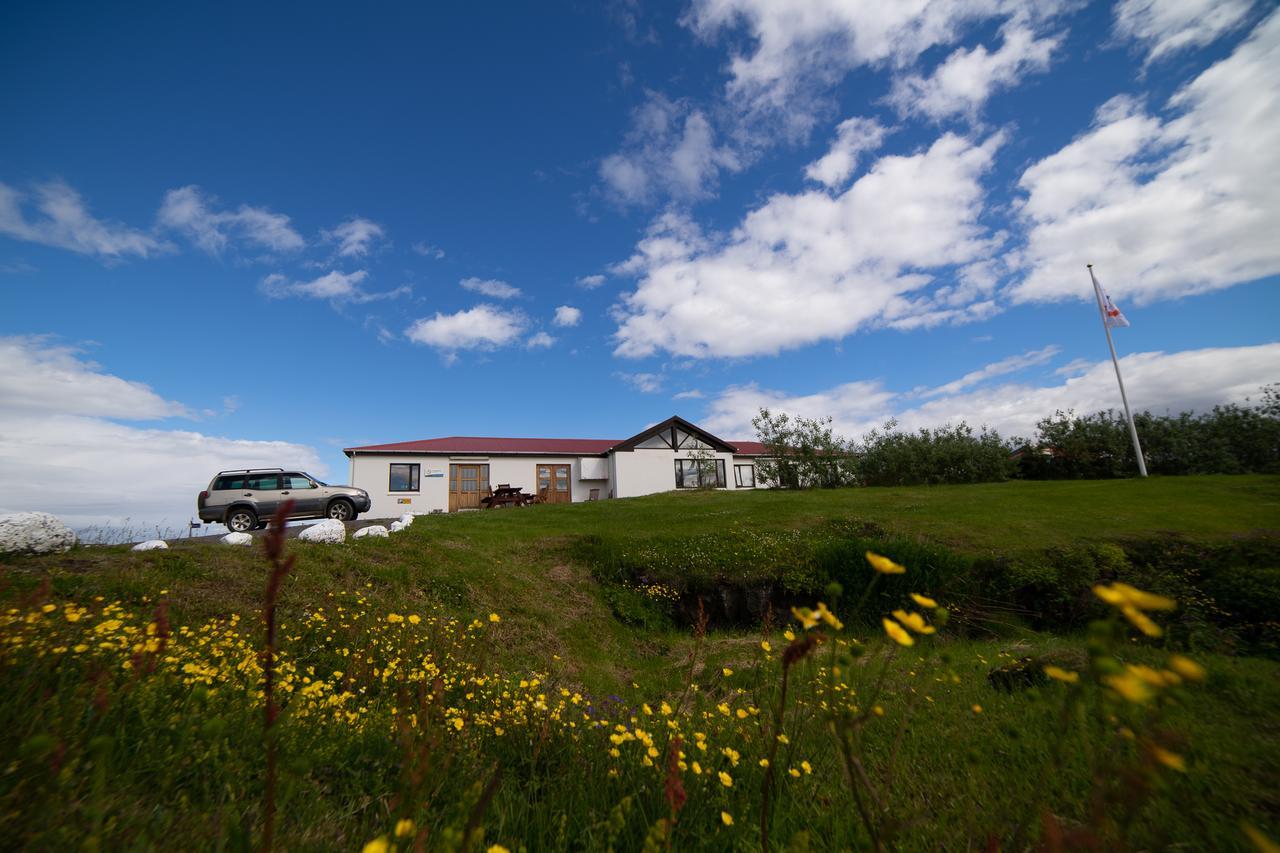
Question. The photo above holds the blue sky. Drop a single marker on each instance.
(238, 234)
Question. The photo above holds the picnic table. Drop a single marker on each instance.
(505, 496)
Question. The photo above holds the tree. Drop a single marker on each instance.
(802, 452)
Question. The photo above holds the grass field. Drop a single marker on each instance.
(171, 753)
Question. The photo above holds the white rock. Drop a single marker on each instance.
(397, 526)
(151, 545)
(406, 519)
(374, 530)
(34, 533)
(330, 531)
(237, 539)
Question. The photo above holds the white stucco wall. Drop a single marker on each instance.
(646, 472)
(371, 472)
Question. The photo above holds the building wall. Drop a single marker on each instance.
(646, 472)
(371, 472)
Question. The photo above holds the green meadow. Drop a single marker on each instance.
(611, 675)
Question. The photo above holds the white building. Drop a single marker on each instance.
(449, 474)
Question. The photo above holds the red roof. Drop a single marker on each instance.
(542, 446)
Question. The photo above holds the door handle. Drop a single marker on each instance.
(248, 494)
(284, 493)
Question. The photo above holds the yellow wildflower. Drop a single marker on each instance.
(49, 608)
(977, 709)
(726, 818)
(789, 635)
(1063, 675)
(457, 723)
(727, 672)
(378, 845)
(1130, 686)
(494, 617)
(1187, 668)
(897, 634)
(404, 828)
(394, 618)
(884, 565)
(414, 619)
(1169, 759)
(923, 600)
(764, 644)
(914, 621)
(1140, 621)
(764, 762)
(794, 772)
(1121, 595)
(827, 616)
(497, 848)
(805, 617)
(1261, 842)
(726, 779)
(806, 767)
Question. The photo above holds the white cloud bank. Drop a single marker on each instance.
(492, 288)
(192, 213)
(63, 451)
(1164, 208)
(355, 237)
(567, 315)
(482, 327)
(814, 266)
(1156, 381)
(335, 286)
(1165, 27)
(66, 223)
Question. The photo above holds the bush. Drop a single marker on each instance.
(947, 455)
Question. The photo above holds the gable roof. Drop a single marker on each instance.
(672, 424)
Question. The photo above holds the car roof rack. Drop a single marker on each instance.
(247, 471)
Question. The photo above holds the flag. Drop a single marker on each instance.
(1112, 318)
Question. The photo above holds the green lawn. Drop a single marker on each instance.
(525, 565)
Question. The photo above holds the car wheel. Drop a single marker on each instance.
(341, 510)
(242, 520)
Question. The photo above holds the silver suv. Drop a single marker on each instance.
(244, 500)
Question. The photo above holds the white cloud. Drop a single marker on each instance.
(645, 383)
(1164, 208)
(481, 327)
(541, 340)
(811, 266)
(1165, 27)
(961, 85)
(670, 152)
(567, 315)
(60, 452)
(66, 223)
(189, 211)
(427, 250)
(1156, 381)
(800, 48)
(693, 394)
(335, 286)
(355, 237)
(37, 375)
(1004, 366)
(854, 137)
(590, 282)
(492, 288)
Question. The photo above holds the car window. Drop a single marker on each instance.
(263, 482)
(234, 481)
(297, 481)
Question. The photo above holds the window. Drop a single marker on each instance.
(298, 481)
(744, 476)
(228, 482)
(263, 482)
(700, 474)
(404, 477)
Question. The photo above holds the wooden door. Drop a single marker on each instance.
(553, 483)
(467, 485)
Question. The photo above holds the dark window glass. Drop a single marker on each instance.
(744, 476)
(231, 481)
(297, 481)
(263, 482)
(700, 473)
(404, 476)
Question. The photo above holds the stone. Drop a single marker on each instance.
(397, 526)
(377, 531)
(34, 533)
(151, 545)
(330, 532)
(237, 539)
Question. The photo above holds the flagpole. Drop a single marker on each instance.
(1133, 430)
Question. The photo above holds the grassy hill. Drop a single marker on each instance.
(557, 578)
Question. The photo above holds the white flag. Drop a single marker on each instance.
(1112, 318)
